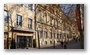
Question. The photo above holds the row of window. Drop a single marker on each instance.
(46, 34)
(29, 6)
(54, 11)
(50, 22)
(18, 20)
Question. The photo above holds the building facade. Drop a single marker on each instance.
(52, 25)
(19, 28)
(39, 25)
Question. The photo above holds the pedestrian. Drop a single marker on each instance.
(54, 45)
(65, 46)
(62, 43)
(79, 39)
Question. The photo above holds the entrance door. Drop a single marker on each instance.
(24, 41)
(28, 41)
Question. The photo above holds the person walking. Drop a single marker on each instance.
(62, 43)
(65, 46)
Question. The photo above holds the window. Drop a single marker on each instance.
(60, 35)
(56, 23)
(25, 5)
(60, 13)
(68, 36)
(38, 16)
(51, 22)
(20, 4)
(54, 42)
(6, 17)
(30, 6)
(50, 42)
(45, 33)
(55, 12)
(19, 20)
(45, 42)
(39, 32)
(57, 36)
(50, 34)
(30, 23)
(54, 35)
(48, 20)
(45, 20)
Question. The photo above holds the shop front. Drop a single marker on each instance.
(24, 41)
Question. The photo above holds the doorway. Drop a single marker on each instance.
(24, 41)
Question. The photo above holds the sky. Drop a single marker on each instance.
(68, 8)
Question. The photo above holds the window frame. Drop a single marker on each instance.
(45, 18)
(50, 33)
(57, 35)
(6, 21)
(54, 35)
(39, 16)
(39, 32)
(29, 26)
(30, 7)
(20, 5)
(50, 42)
(45, 33)
(46, 42)
(18, 24)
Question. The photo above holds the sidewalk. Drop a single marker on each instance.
(69, 45)
(75, 45)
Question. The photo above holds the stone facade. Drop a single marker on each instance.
(52, 25)
(49, 26)
(14, 27)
